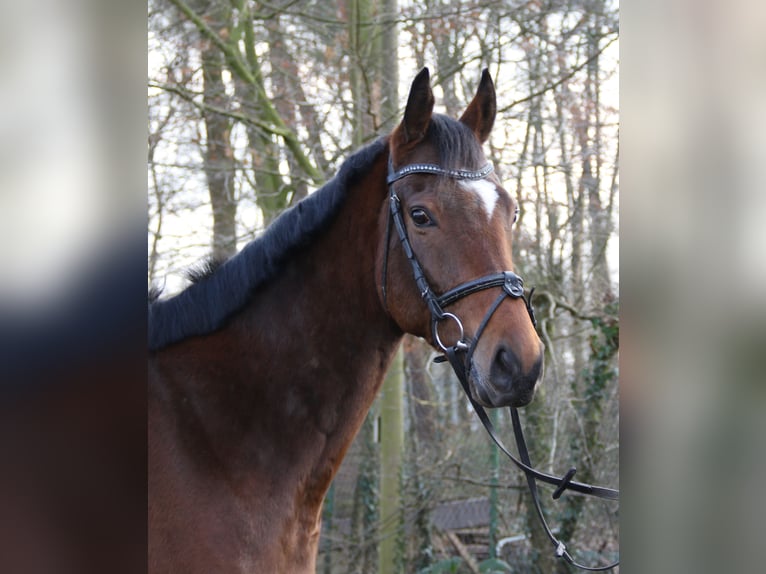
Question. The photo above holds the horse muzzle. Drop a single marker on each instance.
(507, 383)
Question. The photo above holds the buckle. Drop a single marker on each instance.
(513, 285)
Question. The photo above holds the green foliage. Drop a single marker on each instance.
(494, 566)
(454, 564)
(604, 343)
(596, 377)
(449, 565)
(601, 369)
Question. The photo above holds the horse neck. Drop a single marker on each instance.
(334, 340)
(278, 395)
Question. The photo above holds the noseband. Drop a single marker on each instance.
(459, 355)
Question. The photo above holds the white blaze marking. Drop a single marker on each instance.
(487, 192)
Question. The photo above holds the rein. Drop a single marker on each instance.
(460, 354)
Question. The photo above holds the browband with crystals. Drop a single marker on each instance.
(436, 170)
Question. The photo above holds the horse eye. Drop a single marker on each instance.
(420, 216)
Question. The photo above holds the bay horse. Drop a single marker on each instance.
(262, 371)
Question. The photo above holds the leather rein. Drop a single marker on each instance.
(461, 352)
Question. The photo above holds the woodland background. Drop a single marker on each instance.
(253, 105)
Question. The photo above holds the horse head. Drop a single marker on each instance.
(445, 266)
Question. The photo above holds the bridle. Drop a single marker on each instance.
(512, 284)
(460, 354)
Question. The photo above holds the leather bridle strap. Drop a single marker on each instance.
(511, 283)
(437, 313)
(458, 366)
(562, 483)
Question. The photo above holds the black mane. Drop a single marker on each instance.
(222, 290)
(204, 269)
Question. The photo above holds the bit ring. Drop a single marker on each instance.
(460, 344)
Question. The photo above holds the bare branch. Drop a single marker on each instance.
(561, 80)
(240, 68)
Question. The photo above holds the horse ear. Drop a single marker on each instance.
(417, 114)
(480, 113)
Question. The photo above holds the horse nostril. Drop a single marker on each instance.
(507, 362)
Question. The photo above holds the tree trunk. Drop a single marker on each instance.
(391, 447)
(591, 382)
(422, 410)
(270, 189)
(364, 518)
(385, 105)
(422, 435)
(219, 157)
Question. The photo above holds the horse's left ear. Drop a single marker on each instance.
(417, 114)
(480, 113)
